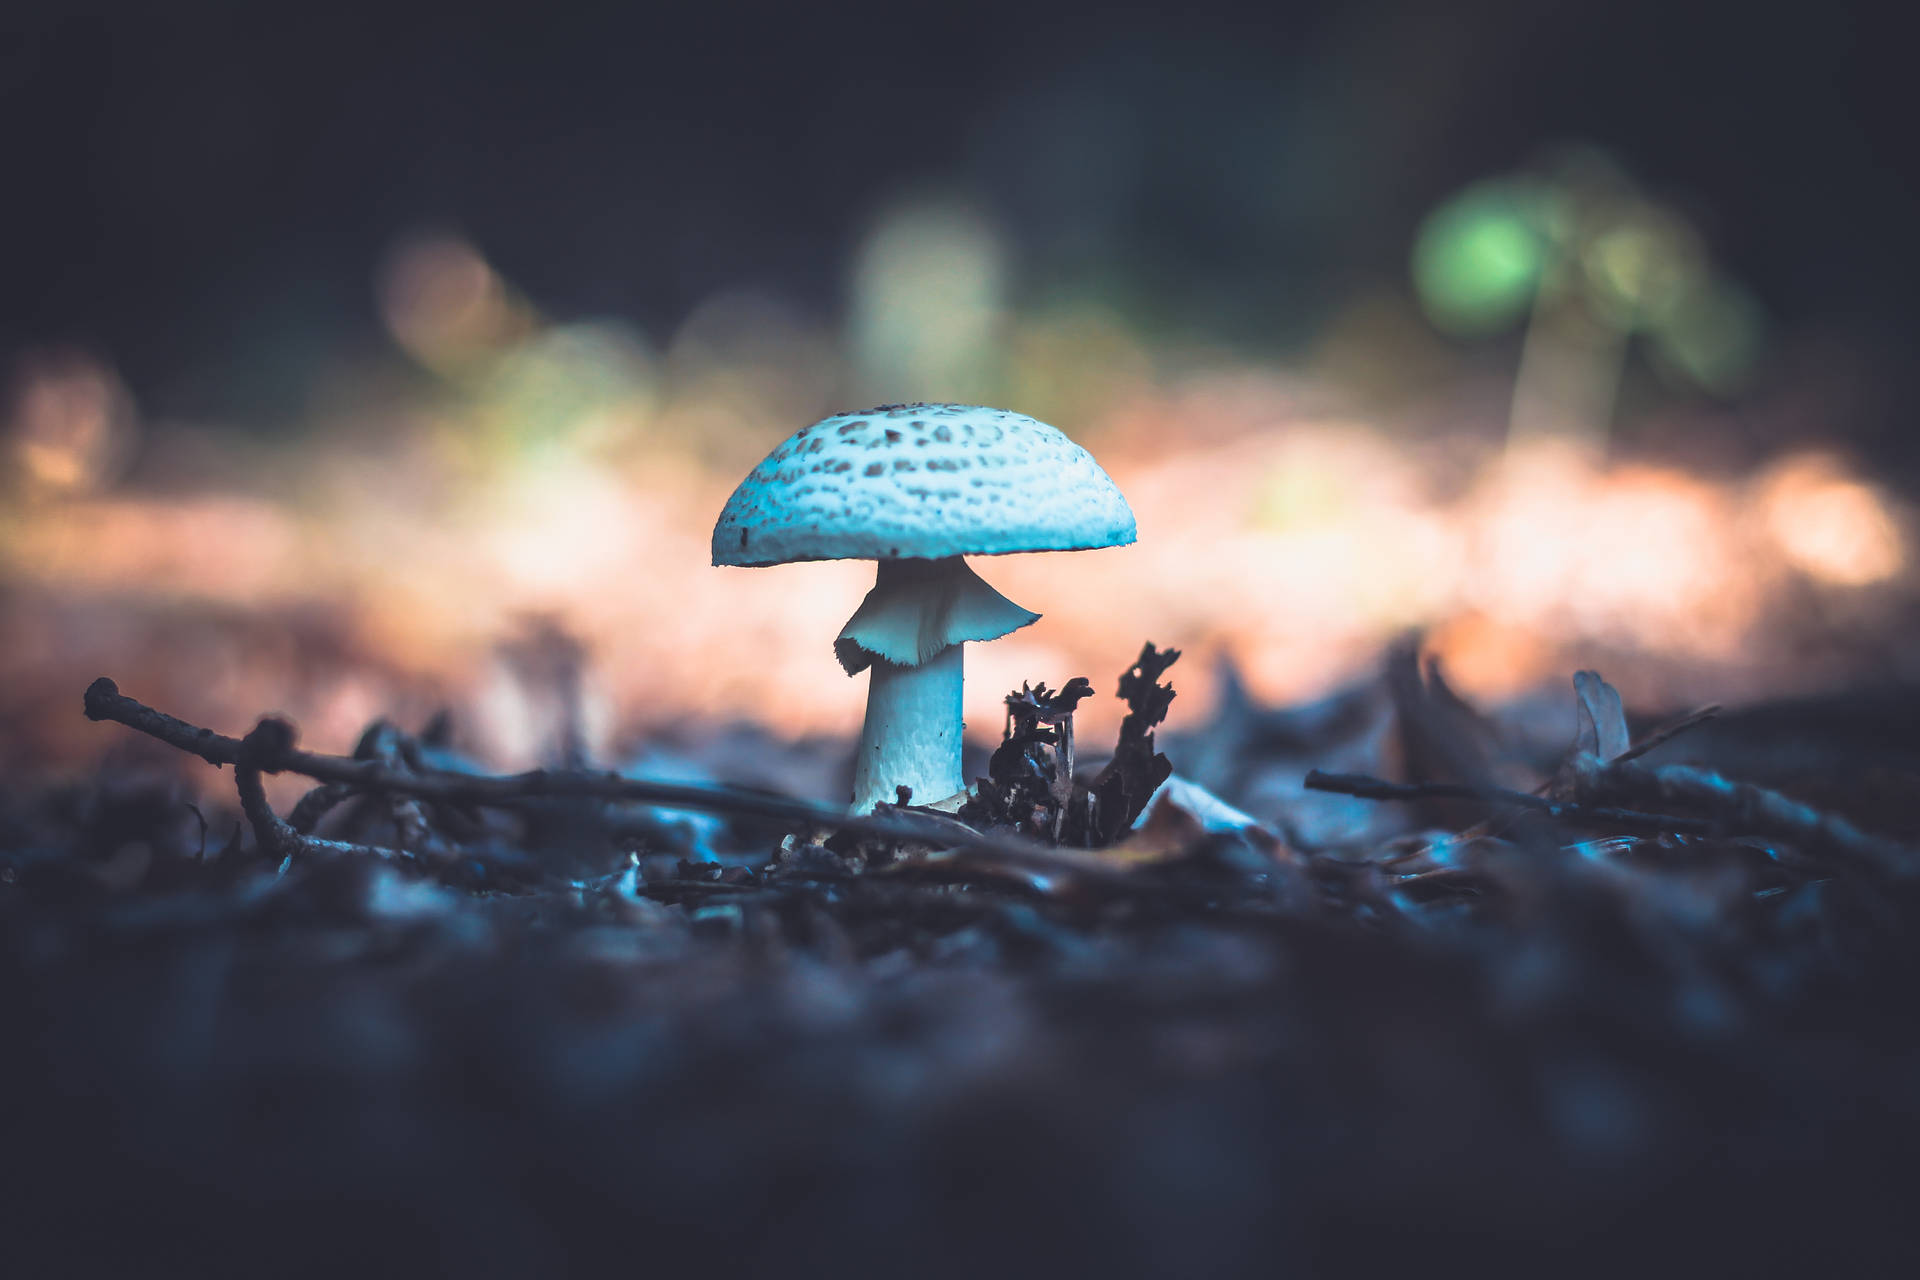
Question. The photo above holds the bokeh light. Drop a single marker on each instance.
(1480, 257)
(70, 422)
(444, 303)
(929, 298)
(559, 477)
(1711, 336)
(1641, 263)
(1589, 259)
(1830, 525)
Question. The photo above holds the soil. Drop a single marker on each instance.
(1349, 1042)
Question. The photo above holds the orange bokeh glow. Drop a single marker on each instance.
(1297, 548)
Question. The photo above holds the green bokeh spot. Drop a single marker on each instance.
(1712, 337)
(552, 383)
(1478, 259)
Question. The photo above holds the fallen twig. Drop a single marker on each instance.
(1741, 807)
(306, 814)
(277, 838)
(274, 751)
(1668, 732)
(1596, 772)
(1370, 788)
(382, 742)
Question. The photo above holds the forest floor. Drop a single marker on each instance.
(1547, 988)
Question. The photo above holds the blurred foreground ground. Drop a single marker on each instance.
(1387, 1043)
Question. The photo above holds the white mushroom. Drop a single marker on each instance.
(916, 487)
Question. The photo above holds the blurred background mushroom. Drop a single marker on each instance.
(1571, 336)
(1590, 261)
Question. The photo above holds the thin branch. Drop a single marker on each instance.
(1746, 807)
(1370, 788)
(314, 806)
(104, 701)
(276, 753)
(383, 742)
(276, 838)
(1668, 732)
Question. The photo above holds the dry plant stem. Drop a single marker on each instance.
(1742, 806)
(1667, 733)
(1063, 777)
(383, 743)
(104, 701)
(276, 838)
(1368, 788)
(1658, 738)
(314, 806)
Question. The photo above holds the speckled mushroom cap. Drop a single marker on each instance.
(921, 481)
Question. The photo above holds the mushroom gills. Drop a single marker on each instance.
(918, 608)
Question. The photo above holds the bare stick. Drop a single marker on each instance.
(276, 753)
(276, 838)
(382, 742)
(1668, 732)
(1369, 788)
(316, 805)
(1744, 806)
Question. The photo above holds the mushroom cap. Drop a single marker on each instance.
(921, 481)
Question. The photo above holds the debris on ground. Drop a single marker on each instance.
(1102, 1020)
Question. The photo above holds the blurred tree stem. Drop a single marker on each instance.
(1569, 375)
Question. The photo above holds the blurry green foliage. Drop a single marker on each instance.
(1712, 337)
(1479, 258)
(1579, 231)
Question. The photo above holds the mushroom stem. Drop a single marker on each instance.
(911, 737)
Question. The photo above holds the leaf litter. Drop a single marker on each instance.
(1486, 1000)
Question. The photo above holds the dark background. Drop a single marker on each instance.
(202, 196)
